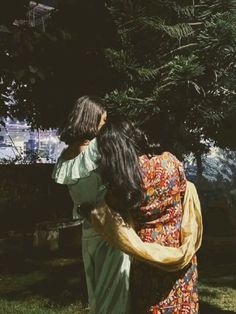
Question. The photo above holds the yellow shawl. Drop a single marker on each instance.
(122, 236)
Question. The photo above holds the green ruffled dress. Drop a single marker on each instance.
(107, 269)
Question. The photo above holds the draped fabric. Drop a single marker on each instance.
(122, 236)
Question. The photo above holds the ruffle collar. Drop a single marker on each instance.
(70, 171)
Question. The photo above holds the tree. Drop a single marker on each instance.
(176, 62)
(44, 72)
(170, 65)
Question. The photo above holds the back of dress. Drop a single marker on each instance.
(159, 218)
(159, 221)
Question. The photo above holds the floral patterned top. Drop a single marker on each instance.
(159, 220)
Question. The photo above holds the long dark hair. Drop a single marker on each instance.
(83, 121)
(119, 165)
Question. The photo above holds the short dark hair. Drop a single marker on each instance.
(83, 121)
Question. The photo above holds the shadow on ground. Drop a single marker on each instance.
(210, 309)
(59, 280)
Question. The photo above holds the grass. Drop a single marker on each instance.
(36, 306)
(42, 286)
(217, 288)
(56, 285)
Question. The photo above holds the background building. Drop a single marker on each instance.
(17, 139)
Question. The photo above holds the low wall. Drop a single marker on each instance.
(28, 196)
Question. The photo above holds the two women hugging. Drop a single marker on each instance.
(141, 218)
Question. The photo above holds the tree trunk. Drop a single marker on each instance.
(198, 157)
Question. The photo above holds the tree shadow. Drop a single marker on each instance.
(217, 276)
(63, 285)
(206, 308)
(207, 293)
(60, 280)
(227, 281)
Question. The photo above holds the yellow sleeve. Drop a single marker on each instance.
(122, 236)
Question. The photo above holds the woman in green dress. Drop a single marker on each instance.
(107, 269)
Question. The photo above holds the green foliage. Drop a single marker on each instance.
(187, 52)
(215, 6)
(184, 70)
(170, 65)
(177, 31)
(42, 73)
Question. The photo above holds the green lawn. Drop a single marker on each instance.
(57, 285)
(217, 287)
(42, 286)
